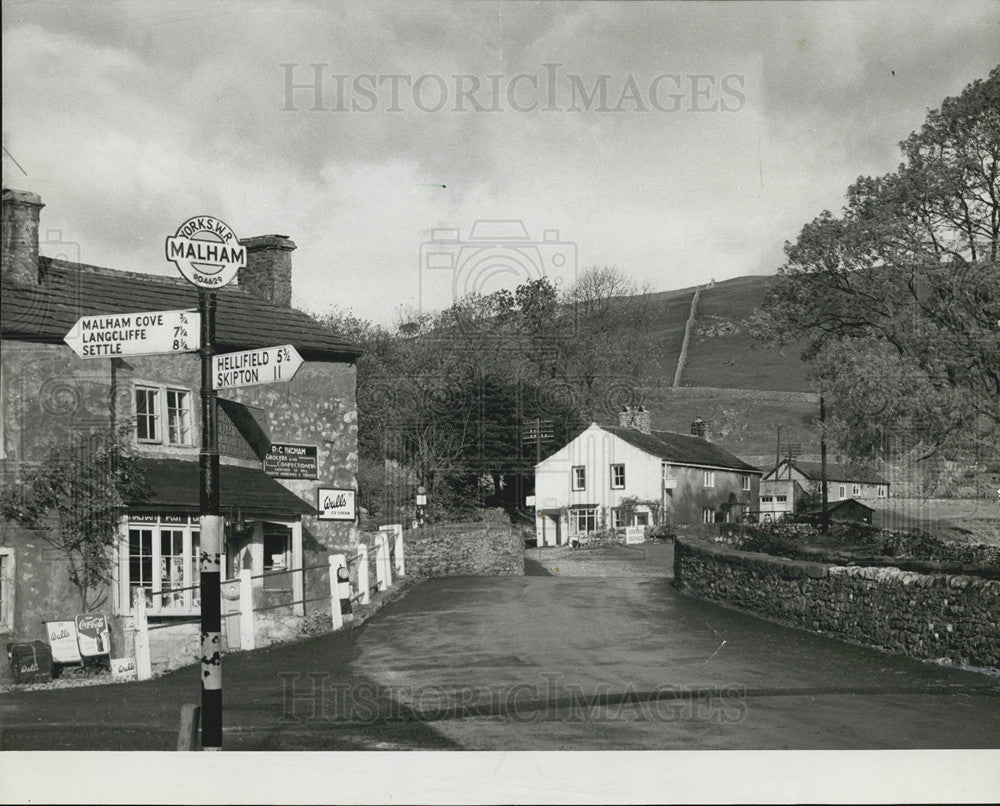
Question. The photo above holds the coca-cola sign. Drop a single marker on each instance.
(92, 634)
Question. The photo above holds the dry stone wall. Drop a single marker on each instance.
(928, 616)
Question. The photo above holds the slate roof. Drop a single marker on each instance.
(243, 321)
(681, 449)
(174, 487)
(835, 472)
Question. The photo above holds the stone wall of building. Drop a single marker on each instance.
(464, 549)
(928, 616)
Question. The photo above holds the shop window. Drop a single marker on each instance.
(617, 477)
(642, 519)
(163, 562)
(579, 477)
(147, 414)
(178, 417)
(583, 520)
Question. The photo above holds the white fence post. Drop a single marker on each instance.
(383, 571)
(337, 561)
(143, 664)
(364, 586)
(247, 638)
(395, 533)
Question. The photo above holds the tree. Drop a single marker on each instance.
(898, 298)
(75, 497)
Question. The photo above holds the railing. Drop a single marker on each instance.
(389, 564)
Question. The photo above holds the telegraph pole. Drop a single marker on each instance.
(211, 537)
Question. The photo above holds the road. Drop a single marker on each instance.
(542, 662)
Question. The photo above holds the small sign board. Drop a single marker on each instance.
(63, 641)
(634, 535)
(92, 635)
(254, 367)
(206, 252)
(123, 669)
(336, 504)
(529, 500)
(292, 462)
(421, 500)
(150, 333)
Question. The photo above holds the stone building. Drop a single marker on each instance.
(49, 394)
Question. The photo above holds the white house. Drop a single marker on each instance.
(609, 477)
(793, 485)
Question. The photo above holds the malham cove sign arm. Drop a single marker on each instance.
(152, 333)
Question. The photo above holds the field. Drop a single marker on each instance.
(967, 520)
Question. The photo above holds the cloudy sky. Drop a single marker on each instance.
(678, 141)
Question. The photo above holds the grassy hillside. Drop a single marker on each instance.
(723, 353)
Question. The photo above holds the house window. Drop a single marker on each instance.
(579, 478)
(6, 589)
(616, 519)
(745, 481)
(162, 561)
(856, 489)
(642, 519)
(709, 481)
(765, 499)
(617, 477)
(147, 414)
(843, 491)
(881, 491)
(780, 499)
(178, 417)
(583, 520)
(708, 515)
(277, 549)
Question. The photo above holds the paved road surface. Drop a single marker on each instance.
(541, 662)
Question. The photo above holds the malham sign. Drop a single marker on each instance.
(206, 251)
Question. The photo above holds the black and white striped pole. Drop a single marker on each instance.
(209, 255)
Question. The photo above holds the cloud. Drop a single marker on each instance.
(129, 118)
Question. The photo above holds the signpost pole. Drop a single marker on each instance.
(211, 537)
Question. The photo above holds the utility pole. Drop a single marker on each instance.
(211, 537)
(825, 517)
(777, 454)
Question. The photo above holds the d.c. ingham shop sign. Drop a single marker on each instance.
(206, 251)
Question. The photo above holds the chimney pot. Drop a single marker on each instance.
(268, 273)
(19, 258)
(637, 418)
(699, 428)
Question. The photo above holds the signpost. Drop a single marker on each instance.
(152, 333)
(209, 255)
(253, 367)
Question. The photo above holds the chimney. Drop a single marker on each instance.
(699, 428)
(20, 237)
(637, 418)
(268, 273)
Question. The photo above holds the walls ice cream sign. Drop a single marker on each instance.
(206, 251)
